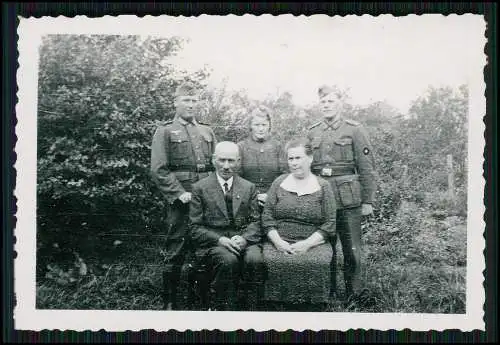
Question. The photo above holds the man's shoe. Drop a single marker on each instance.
(360, 299)
(334, 303)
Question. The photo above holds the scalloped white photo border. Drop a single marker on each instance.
(27, 317)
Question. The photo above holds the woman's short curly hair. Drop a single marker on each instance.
(260, 111)
(300, 142)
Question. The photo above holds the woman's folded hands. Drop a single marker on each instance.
(300, 247)
(283, 246)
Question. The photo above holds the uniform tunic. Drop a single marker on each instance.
(261, 162)
(181, 154)
(344, 148)
(302, 278)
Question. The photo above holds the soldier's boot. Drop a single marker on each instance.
(166, 295)
(333, 271)
(355, 293)
(170, 289)
(174, 287)
(350, 239)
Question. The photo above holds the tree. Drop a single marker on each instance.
(436, 127)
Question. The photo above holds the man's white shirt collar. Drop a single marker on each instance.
(222, 181)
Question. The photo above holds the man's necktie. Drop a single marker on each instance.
(229, 203)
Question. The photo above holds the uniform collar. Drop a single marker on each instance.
(333, 125)
(184, 122)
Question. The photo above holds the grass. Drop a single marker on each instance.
(413, 264)
(417, 264)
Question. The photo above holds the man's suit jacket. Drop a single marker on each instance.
(209, 218)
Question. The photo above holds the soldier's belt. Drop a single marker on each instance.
(193, 168)
(328, 171)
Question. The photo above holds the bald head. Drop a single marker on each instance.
(226, 147)
(226, 159)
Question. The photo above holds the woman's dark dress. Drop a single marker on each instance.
(303, 278)
(261, 162)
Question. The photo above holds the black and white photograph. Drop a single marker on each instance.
(250, 172)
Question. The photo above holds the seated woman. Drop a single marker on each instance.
(298, 219)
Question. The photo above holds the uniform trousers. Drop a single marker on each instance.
(176, 247)
(349, 233)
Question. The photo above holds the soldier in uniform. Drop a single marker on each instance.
(343, 156)
(181, 153)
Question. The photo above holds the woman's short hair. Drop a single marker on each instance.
(259, 111)
(300, 142)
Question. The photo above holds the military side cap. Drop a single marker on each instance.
(316, 125)
(352, 122)
(187, 89)
(326, 90)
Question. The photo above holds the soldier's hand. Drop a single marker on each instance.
(262, 198)
(185, 197)
(366, 209)
(229, 245)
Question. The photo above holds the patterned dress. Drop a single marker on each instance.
(302, 278)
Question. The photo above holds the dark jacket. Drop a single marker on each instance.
(208, 214)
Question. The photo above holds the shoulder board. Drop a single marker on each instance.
(203, 123)
(352, 122)
(316, 124)
(163, 123)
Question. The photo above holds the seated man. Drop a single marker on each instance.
(225, 225)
